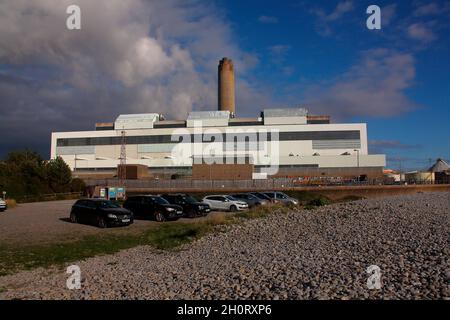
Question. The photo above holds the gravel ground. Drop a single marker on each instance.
(318, 254)
(48, 222)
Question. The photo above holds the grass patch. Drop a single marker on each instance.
(14, 258)
(170, 236)
(2, 289)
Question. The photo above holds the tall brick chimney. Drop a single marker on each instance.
(226, 86)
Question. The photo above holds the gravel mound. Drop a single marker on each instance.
(305, 254)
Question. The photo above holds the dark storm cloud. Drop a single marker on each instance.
(130, 56)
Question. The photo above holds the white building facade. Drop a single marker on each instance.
(286, 138)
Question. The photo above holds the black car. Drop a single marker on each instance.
(251, 199)
(191, 206)
(100, 212)
(153, 207)
(261, 196)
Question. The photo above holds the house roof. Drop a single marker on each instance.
(440, 166)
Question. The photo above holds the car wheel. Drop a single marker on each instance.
(101, 223)
(233, 208)
(73, 218)
(160, 217)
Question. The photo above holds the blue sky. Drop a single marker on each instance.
(315, 51)
(161, 56)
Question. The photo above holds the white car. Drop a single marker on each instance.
(2, 205)
(225, 203)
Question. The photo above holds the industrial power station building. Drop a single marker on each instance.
(278, 142)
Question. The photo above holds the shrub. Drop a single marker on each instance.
(77, 185)
(11, 203)
(318, 202)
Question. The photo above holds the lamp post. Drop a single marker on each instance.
(357, 161)
(357, 157)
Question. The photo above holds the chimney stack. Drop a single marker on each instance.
(226, 86)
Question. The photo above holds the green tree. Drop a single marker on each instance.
(24, 173)
(59, 175)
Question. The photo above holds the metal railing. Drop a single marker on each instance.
(263, 184)
(47, 197)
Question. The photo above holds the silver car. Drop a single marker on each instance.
(280, 197)
(225, 203)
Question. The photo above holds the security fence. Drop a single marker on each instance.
(186, 184)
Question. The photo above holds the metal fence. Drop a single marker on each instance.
(48, 197)
(263, 184)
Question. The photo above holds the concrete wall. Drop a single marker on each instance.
(222, 171)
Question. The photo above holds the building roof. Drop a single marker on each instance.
(290, 112)
(138, 117)
(439, 166)
(136, 121)
(200, 115)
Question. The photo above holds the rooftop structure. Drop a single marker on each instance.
(439, 166)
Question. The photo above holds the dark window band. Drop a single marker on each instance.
(283, 136)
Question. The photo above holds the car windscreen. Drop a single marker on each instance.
(159, 200)
(260, 196)
(281, 195)
(108, 205)
(231, 198)
(189, 199)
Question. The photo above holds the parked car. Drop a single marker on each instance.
(251, 200)
(191, 206)
(225, 202)
(100, 212)
(3, 205)
(280, 197)
(153, 207)
(262, 196)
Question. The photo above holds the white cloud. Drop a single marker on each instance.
(388, 14)
(279, 49)
(324, 19)
(341, 9)
(421, 32)
(427, 9)
(373, 87)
